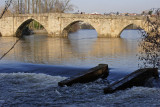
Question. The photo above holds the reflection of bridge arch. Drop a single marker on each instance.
(22, 25)
(66, 28)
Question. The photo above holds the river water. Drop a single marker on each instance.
(81, 49)
(31, 71)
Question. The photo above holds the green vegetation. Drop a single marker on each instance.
(34, 25)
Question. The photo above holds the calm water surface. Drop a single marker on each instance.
(82, 48)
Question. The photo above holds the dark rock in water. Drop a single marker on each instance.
(137, 78)
(100, 71)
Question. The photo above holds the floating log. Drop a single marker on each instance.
(137, 78)
(100, 71)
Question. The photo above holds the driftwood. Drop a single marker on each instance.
(100, 71)
(137, 78)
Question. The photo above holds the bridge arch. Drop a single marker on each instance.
(23, 24)
(66, 28)
(140, 27)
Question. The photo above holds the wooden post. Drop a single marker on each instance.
(137, 78)
(100, 71)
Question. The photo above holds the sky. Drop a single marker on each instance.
(107, 6)
(122, 6)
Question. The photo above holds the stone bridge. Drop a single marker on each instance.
(56, 23)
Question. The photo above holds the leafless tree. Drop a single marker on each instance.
(150, 45)
(33, 6)
(18, 6)
(41, 6)
(25, 6)
(36, 8)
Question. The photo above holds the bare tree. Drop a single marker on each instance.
(41, 6)
(7, 12)
(18, 6)
(57, 6)
(46, 7)
(150, 44)
(36, 6)
(62, 6)
(28, 6)
(25, 6)
(21, 8)
(33, 8)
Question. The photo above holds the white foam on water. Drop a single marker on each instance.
(34, 90)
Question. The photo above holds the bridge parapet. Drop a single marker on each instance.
(96, 16)
(69, 15)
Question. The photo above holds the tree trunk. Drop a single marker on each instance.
(18, 7)
(46, 9)
(36, 6)
(39, 6)
(33, 11)
(21, 6)
(33, 6)
(25, 6)
(28, 6)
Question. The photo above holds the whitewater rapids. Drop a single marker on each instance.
(40, 90)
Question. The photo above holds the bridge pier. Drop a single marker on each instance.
(58, 34)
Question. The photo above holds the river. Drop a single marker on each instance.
(81, 49)
(31, 71)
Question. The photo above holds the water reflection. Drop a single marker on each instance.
(131, 34)
(84, 50)
(81, 42)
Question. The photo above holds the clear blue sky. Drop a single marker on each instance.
(102, 6)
